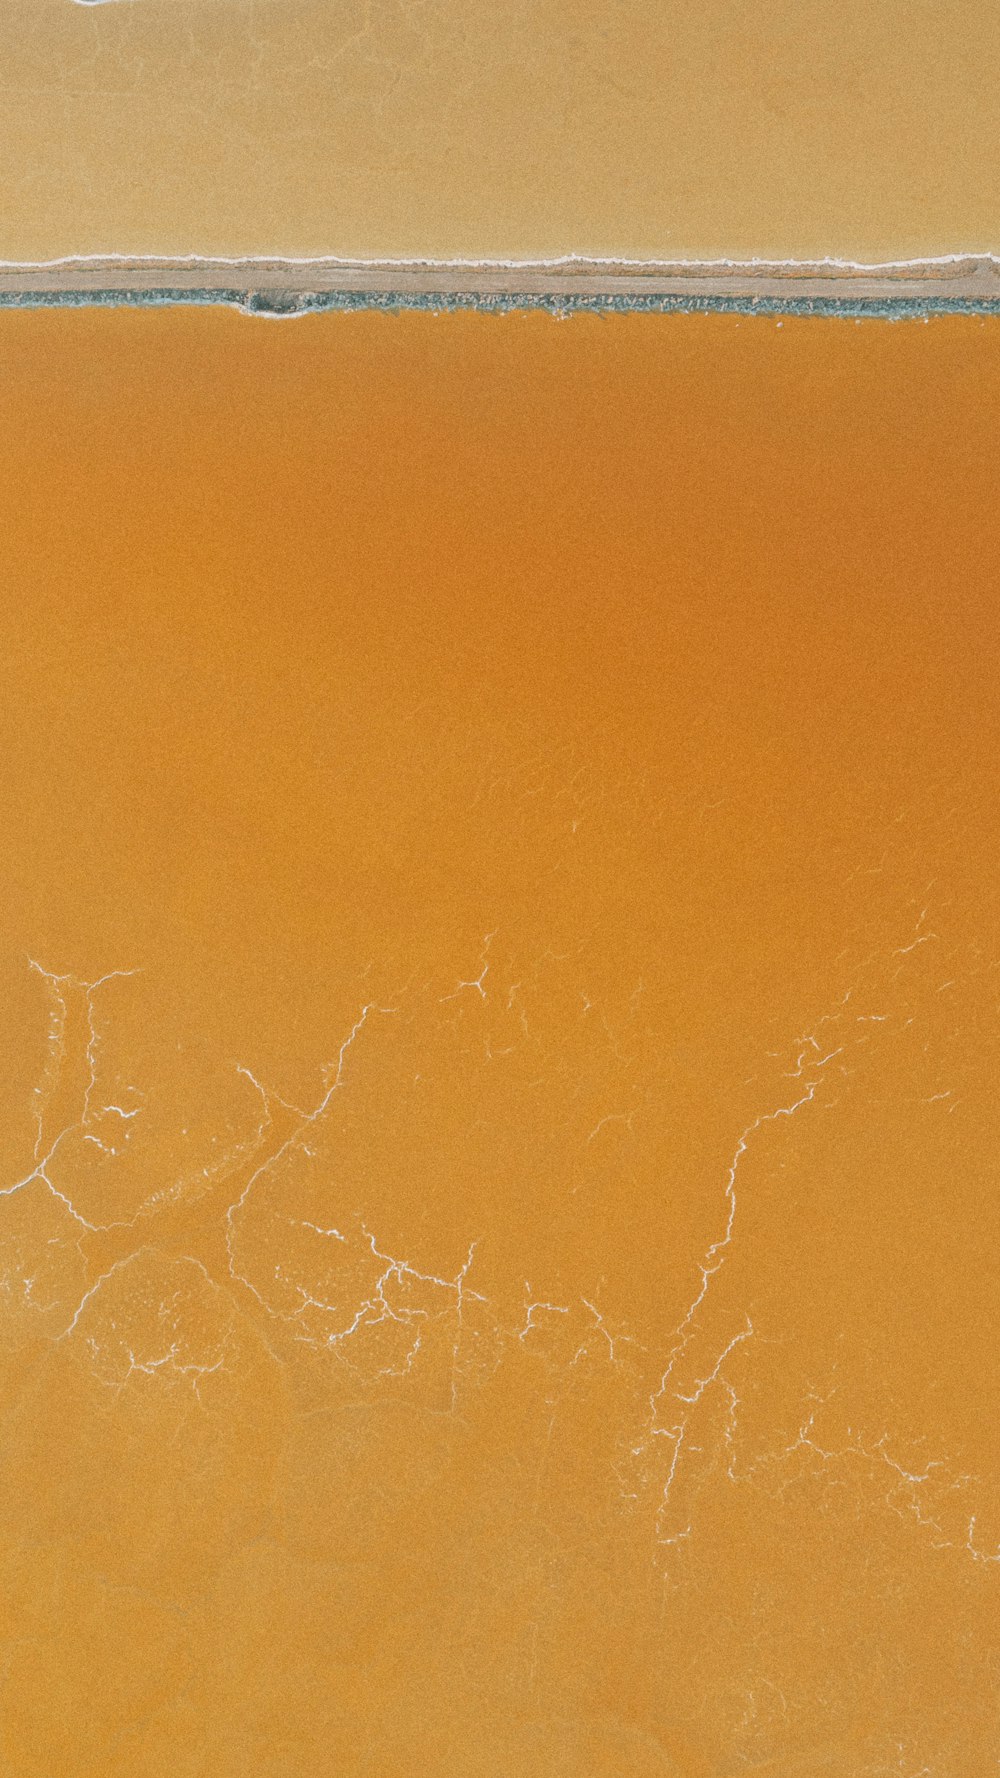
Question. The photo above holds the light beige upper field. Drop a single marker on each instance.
(866, 129)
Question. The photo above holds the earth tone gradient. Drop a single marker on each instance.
(499, 1034)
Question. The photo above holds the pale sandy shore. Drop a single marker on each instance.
(294, 285)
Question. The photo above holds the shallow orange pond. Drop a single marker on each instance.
(499, 1043)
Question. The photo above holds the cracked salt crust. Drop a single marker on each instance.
(379, 1312)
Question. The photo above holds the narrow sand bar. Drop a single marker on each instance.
(293, 285)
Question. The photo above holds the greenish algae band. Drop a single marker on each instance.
(278, 304)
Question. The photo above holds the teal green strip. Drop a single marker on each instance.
(277, 303)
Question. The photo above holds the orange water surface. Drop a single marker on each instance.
(498, 1049)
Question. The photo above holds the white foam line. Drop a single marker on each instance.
(708, 266)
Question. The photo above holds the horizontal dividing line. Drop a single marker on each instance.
(290, 287)
(892, 308)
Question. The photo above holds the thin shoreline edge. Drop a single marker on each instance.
(280, 286)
